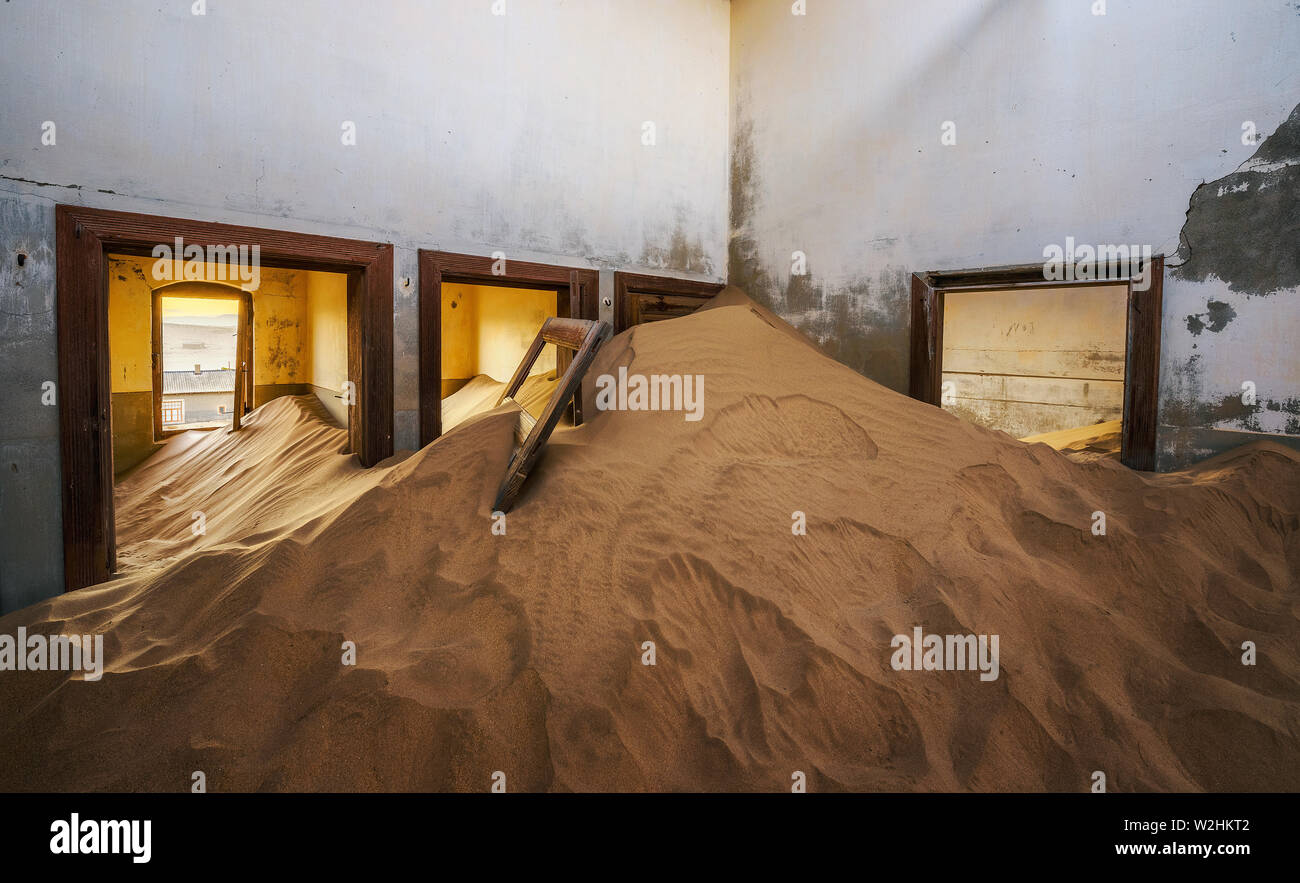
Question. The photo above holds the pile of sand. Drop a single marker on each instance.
(1086, 444)
(522, 653)
(481, 394)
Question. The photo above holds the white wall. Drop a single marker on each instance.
(474, 132)
(1067, 124)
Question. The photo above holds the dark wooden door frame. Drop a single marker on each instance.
(437, 267)
(1141, 351)
(628, 284)
(245, 299)
(83, 239)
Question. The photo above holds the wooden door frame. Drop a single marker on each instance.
(437, 267)
(83, 239)
(245, 299)
(628, 284)
(1141, 349)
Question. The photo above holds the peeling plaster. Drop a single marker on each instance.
(1216, 317)
(1244, 228)
(1240, 241)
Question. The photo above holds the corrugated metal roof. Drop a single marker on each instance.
(182, 382)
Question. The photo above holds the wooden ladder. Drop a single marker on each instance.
(584, 337)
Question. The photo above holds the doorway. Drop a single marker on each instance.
(641, 298)
(1040, 365)
(478, 315)
(1070, 364)
(83, 240)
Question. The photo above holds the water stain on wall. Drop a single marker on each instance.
(1187, 406)
(682, 252)
(284, 344)
(1232, 409)
(865, 325)
(744, 269)
(862, 322)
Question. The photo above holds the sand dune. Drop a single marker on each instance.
(481, 393)
(1084, 443)
(522, 653)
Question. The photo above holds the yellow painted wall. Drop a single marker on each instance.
(281, 342)
(486, 329)
(327, 324)
(130, 324)
(282, 351)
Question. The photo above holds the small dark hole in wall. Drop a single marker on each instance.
(22, 258)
